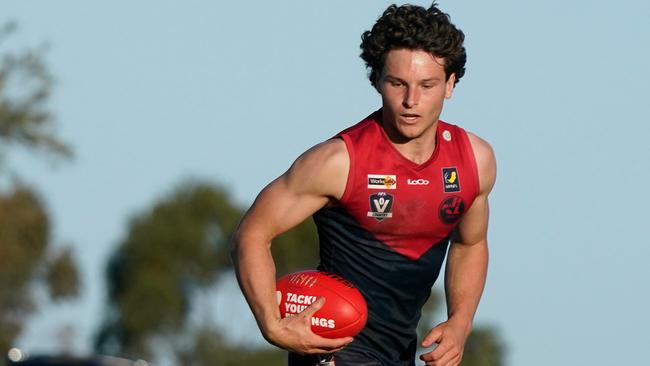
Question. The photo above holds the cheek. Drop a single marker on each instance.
(391, 97)
(436, 97)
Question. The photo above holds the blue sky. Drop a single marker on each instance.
(152, 93)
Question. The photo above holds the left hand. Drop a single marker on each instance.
(450, 337)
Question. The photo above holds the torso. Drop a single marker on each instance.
(389, 231)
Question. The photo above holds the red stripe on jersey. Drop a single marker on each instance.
(408, 206)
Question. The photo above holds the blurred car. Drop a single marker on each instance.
(74, 361)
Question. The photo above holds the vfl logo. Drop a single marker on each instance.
(382, 181)
(451, 209)
(417, 182)
(380, 205)
(450, 180)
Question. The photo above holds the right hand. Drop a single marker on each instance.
(294, 333)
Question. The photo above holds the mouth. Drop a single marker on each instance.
(410, 117)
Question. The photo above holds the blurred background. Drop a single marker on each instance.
(133, 135)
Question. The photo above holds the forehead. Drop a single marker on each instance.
(402, 62)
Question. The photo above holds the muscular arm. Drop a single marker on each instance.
(318, 175)
(468, 255)
(466, 267)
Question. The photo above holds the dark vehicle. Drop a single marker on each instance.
(75, 361)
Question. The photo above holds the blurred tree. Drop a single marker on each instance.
(209, 348)
(297, 249)
(25, 85)
(62, 276)
(484, 348)
(26, 257)
(180, 245)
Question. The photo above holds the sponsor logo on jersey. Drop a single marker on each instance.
(381, 204)
(450, 180)
(451, 209)
(382, 181)
(417, 182)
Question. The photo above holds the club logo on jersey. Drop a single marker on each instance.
(382, 181)
(450, 180)
(381, 204)
(451, 209)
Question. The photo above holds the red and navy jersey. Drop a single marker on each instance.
(389, 232)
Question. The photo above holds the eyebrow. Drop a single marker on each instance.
(431, 79)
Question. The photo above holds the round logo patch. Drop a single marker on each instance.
(451, 209)
(446, 135)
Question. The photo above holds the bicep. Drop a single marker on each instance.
(314, 178)
(473, 227)
(279, 207)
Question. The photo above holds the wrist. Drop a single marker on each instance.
(462, 322)
(270, 329)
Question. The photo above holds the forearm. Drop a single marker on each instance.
(255, 271)
(465, 280)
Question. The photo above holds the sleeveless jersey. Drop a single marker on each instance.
(389, 232)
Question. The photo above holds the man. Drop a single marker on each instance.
(388, 196)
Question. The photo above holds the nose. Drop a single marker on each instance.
(411, 97)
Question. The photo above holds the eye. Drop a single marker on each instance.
(427, 86)
(396, 83)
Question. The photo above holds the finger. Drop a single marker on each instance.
(332, 343)
(434, 336)
(326, 345)
(426, 357)
(323, 350)
(314, 307)
(447, 354)
(454, 361)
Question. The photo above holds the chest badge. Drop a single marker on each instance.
(381, 204)
(450, 180)
(451, 209)
(382, 181)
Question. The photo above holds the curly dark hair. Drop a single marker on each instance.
(413, 27)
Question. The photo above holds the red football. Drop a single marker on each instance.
(344, 313)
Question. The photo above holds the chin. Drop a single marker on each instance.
(410, 132)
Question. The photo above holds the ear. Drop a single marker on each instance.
(449, 87)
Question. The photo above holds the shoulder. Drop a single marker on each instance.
(321, 170)
(485, 162)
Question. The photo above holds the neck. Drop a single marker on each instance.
(416, 149)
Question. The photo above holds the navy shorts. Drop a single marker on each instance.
(345, 357)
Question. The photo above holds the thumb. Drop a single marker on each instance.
(314, 307)
(434, 336)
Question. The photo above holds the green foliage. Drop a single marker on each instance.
(178, 246)
(24, 223)
(62, 276)
(297, 249)
(24, 235)
(210, 349)
(25, 85)
(484, 347)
